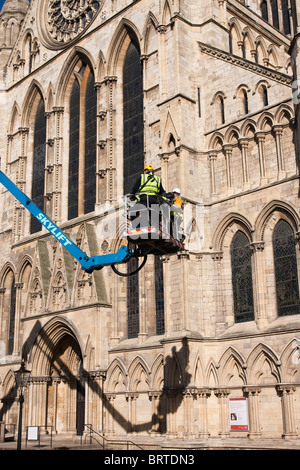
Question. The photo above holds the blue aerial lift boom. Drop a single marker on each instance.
(158, 243)
(89, 264)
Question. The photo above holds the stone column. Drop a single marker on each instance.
(261, 136)
(203, 395)
(155, 398)
(244, 146)
(132, 397)
(222, 394)
(188, 398)
(260, 290)
(212, 156)
(228, 155)
(171, 413)
(109, 422)
(278, 135)
(253, 407)
(286, 393)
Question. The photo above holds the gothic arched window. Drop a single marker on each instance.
(275, 17)
(242, 278)
(39, 158)
(264, 10)
(82, 149)
(133, 304)
(12, 318)
(159, 296)
(286, 273)
(133, 116)
(286, 17)
(133, 155)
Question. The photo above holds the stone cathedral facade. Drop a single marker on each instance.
(207, 92)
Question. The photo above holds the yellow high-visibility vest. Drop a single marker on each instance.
(150, 184)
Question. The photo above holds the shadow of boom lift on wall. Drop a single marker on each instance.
(61, 360)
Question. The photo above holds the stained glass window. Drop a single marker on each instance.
(82, 149)
(133, 306)
(286, 273)
(133, 153)
(12, 315)
(38, 172)
(90, 146)
(74, 151)
(133, 117)
(264, 10)
(242, 278)
(286, 16)
(159, 296)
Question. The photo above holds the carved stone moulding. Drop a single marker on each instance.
(61, 22)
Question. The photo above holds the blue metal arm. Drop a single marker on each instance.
(87, 263)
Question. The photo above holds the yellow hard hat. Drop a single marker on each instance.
(148, 167)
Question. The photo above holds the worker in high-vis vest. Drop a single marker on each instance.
(176, 213)
(148, 189)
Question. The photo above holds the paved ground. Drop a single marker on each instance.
(156, 444)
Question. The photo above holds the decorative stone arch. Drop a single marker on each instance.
(101, 66)
(8, 396)
(50, 97)
(283, 113)
(216, 142)
(57, 360)
(198, 374)
(151, 24)
(66, 76)
(290, 360)
(47, 339)
(248, 38)
(119, 45)
(211, 374)
(34, 93)
(166, 13)
(157, 373)
(116, 377)
(272, 56)
(226, 229)
(232, 367)
(260, 356)
(8, 267)
(174, 375)
(232, 135)
(247, 126)
(276, 209)
(137, 369)
(14, 120)
(170, 137)
(265, 121)
(233, 23)
(241, 87)
(261, 56)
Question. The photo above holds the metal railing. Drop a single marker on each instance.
(102, 440)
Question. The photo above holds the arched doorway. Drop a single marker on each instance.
(66, 390)
(58, 399)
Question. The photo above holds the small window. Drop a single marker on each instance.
(286, 272)
(264, 10)
(286, 17)
(242, 278)
(274, 6)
